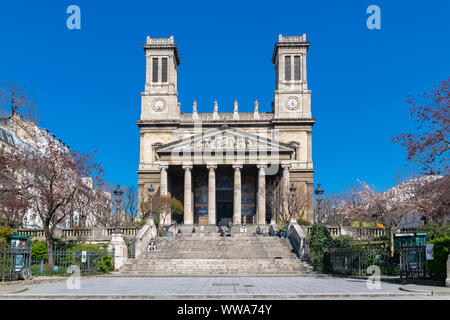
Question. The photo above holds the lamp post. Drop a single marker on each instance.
(292, 190)
(319, 196)
(151, 192)
(118, 194)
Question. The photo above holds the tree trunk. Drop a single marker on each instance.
(49, 251)
(49, 240)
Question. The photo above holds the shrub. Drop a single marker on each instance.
(5, 232)
(39, 250)
(320, 244)
(106, 265)
(140, 223)
(435, 230)
(437, 268)
(303, 222)
(342, 242)
(176, 208)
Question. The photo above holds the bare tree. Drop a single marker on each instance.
(430, 197)
(282, 203)
(332, 209)
(13, 206)
(103, 205)
(14, 101)
(52, 176)
(388, 208)
(130, 204)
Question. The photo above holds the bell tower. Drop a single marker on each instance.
(160, 98)
(291, 95)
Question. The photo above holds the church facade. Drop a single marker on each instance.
(220, 164)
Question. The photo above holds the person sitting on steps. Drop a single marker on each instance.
(151, 245)
(258, 230)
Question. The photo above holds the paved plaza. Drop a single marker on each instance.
(212, 288)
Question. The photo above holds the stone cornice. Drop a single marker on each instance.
(290, 42)
(161, 44)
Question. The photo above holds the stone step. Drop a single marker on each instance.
(208, 254)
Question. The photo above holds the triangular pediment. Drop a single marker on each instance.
(225, 139)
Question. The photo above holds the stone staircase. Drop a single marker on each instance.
(206, 253)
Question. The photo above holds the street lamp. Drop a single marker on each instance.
(292, 189)
(118, 194)
(151, 192)
(319, 196)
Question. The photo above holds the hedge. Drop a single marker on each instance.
(437, 267)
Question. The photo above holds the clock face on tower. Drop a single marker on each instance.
(293, 103)
(158, 105)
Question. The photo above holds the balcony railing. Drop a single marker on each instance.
(86, 234)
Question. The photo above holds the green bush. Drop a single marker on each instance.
(303, 222)
(176, 208)
(5, 232)
(435, 230)
(139, 223)
(320, 244)
(106, 265)
(39, 250)
(342, 242)
(437, 268)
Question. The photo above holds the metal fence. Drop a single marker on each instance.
(413, 261)
(14, 263)
(132, 249)
(356, 262)
(88, 262)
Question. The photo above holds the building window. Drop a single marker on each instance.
(164, 70)
(297, 68)
(287, 68)
(155, 70)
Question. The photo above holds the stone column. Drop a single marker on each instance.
(309, 148)
(261, 209)
(120, 250)
(188, 214)
(286, 180)
(211, 193)
(166, 216)
(237, 214)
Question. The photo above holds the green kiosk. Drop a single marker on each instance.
(20, 247)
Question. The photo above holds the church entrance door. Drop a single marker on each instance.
(224, 206)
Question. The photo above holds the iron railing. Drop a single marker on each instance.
(89, 262)
(413, 261)
(14, 263)
(356, 261)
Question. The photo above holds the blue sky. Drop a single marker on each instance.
(87, 82)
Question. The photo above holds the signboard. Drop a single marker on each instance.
(430, 251)
(19, 263)
(83, 256)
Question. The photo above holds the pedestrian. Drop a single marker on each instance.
(151, 245)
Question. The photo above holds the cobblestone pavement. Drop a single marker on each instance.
(211, 288)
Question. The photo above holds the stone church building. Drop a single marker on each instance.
(220, 164)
